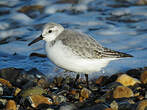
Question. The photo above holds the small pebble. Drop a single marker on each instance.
(85, 93)
(114, 105)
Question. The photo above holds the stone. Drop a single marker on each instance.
(125, 105)
(141, 2)
(1, 91)
(96, 107)
(142, 105)
(42, 83)
(135, 73)
(32, 10)
(68, 106)
(85, 93)
(11, 105)
(122, 91)
(2, 103)
(17, 90)
(127, 80)
(36, 100)
(5, 82)
(59, 99)
(114, 105)
(99, 80)
(33, 91)
(143, 77)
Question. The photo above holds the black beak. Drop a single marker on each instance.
(36, 40)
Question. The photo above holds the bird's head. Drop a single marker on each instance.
(49, 33)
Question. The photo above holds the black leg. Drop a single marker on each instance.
(77, 77)
(86, 76)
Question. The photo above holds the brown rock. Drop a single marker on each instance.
(36, 100)
(108, 109)
(127, 80)
(11, 105)
(142, 105)
(5, 82)
(85, 92)
(26, 9)
(99, 80)
(142, 2)
(122, 91)
(143, 77)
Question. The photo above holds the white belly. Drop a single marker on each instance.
(64, 58)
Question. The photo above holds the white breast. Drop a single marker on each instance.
(63, 57)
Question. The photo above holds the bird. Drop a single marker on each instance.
(76, 51)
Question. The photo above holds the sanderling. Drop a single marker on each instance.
(75, 51)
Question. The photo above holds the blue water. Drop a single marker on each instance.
(116, 25)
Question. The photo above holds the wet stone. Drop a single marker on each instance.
(126, 106)
(135, 73)
(6, 73)
(36, 100)
(67, 106)
(143, 77)
(17, 91)
(5, 82)
(2, 103)
(127, 80)
(59, 99)
(42, 82)
(122, 91)
(32, 11)
(114, 105)
(85, 93)
(33, 91)
(11, 105)
(1, 90)
(142, 105)
(58, 81)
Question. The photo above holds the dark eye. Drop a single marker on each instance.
(49, 31)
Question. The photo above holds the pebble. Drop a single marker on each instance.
(57, 99)
(85, 93)
(5, 82)
(36, 100)
(114, 105)
(127, 80)
(143, 77)
(122, 91)
(42, 82)
(68, 107)
(1, 91)
(33, 91)
(17, 90)
(3, 102)
(11, 105)
(142, 105)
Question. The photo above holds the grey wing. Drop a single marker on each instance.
(86, 47)
(81, 44)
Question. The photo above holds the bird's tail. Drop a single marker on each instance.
(114, 54)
